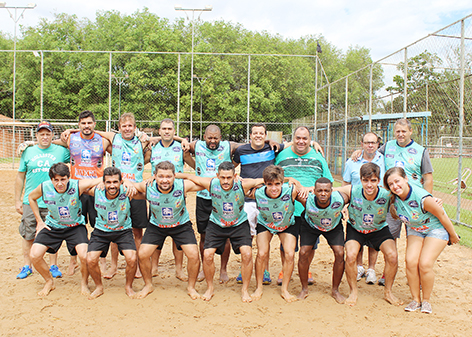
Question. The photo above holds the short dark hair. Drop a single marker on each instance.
(86, 114)
(396, 169)
(302, 127)
(111, 171)
(404, 122)
(369, 169)
(165, 165)
(258, 125)
(273, 173)
(323, 180)
(167, 120)
(226, 166)
(59, 169)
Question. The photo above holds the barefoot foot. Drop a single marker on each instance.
(72, 267)
(111, 273)
(208, 295)
(392, 299)
(245, 297)
(144, 292)
(257, 295)
(288, 297)
(96, 293)
(48, 287)
(130, 292)
(201, 276)
(155, 272)
(351, 300)
(224, 278)
(338, 297)
(180, 275)
(193, 293)
(84, 290)
(303, 294)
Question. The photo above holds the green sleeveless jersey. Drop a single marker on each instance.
(408, 157)
(65, 209)
(275, 214)
(173, 153)
(127, 155)
(368, 216)
(324, 219)
(167, 210)
(207, 161)
(228, 206)
(112, 214)
(411, 211)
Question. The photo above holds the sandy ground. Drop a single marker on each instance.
(168, 311)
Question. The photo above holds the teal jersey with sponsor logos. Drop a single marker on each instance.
(306, 169)
(167, 209)
(275, 214)
(228, 206)
(207, 161)
(127, 155)
(112, 214)
(324, 219)
(408, 157)
(65, 209)
(411, 211)
(368, 216)
(172, 153)
(36, 162)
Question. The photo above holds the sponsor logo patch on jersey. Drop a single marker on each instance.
(413, 203)
(412, 151)
(399, 163)
(277, 216)
(381, 201)
(167, 212)
(210, 164)
(286, 197)
(64, 212)
(113, 217)
(228, 208)
(71, 191)
(335, 205)
(177, 193)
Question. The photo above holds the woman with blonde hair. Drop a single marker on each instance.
(429, 230)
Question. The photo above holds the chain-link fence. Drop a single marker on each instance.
(429, 81)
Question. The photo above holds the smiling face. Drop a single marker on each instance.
(370, 186)
(112, 186)
(258, 137)
(398, 185)
(301, 142)
(86, 127)
(167, 131)
(403, 134)
(273, 188)
(370, 144)
(44, 137)
(226, 178)
(165, 180)
(60, 183)
(127, 128)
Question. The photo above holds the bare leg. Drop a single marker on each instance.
(303, 267)
(138, 236)
(263, 246)
(224, 263)
(145, 252)
(373, 254)
(114, 261)
(26, 248)
(95, 272)
(82, 254)
(338, 271)
(131, 263)
(389, 250)
(360, 256)
(73, 265)
(352, 250)
(432, 248)
(179, 260)
(246, 272)
(193, 266)
(412, 256)
(37, 257)
(312, 255)
(155, 263)
(289, 241)
(53, 259)
(201, 275)
(209, 270)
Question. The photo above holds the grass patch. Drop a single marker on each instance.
(464, 232)
(445, 170)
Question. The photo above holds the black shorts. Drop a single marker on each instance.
(309, 236)
(139, 217)
(53, 238)
(202, 213)
(182, 235)
(100, 241)
(376, 238)
(216, 237)
(298, 223)
(88, 209)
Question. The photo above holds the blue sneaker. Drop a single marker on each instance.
(25, 272)
(266, 280)
(239, 279)
(55, 272)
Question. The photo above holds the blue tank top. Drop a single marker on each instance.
(65, 209)
(228, 206)
(127, 155)
(408, 157)
(368, 216)
(411, 211)
(324, 219)
(275, 214)
(207, 161)
(86, 156)
(173, 153)
(112, 214)
(167, 210)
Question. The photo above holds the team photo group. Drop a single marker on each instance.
(281, 189)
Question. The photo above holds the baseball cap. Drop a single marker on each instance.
(44, 125)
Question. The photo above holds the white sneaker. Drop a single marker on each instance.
(370, 277)
(360, 272)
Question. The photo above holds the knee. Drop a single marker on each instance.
(34, 256)
(339, 255)
(246, 257)
(92, 261)
(351, 257)
(193, 257)
(289, 256)
(208, 258)
(131, 261)
(425, 266)
(392, 257)
(262, 254)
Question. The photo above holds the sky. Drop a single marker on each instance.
(383, 26)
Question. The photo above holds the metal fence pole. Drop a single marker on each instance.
(461, 123)
(316, 100)
(109, 94)
(41, 103)
(248, 93)
(370, 97)
(328, 129)
(405, 82)
(346, 110)
(178, 95)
